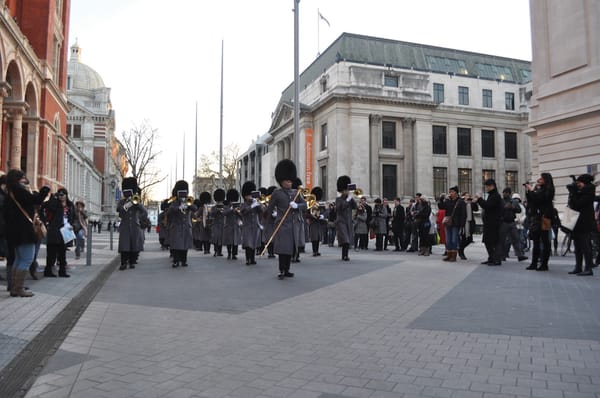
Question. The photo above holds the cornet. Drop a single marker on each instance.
(136, 199)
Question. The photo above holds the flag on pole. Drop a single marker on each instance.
(324, 19)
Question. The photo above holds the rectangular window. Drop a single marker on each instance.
(512, 180)
(463, 95)
(465, 180)
(388, 135)
(486, 175)
(439, 140)
(440, 179)
(389, 185)
(464, 141)
(390, 81)
(438, 93)
(488, 148)
(323, 172)
(77, 131)
(509, 99)
(487, 98)
(324, 136)
(510, 145)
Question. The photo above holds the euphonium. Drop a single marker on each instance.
(135, 199)
(305, 192)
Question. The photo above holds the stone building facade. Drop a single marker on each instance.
(33, 70)
(565, 105)
(401, 118)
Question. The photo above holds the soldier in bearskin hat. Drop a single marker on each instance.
(180, 224)
(251, 211)
(132, 213)
(202, 222)
(232, 218)
(282, 199)
(300, 230)
(344, 204)
(216, 216)
(316, 219)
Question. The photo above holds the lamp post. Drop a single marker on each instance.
(113, 185)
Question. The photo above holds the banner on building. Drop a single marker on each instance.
(308, 178)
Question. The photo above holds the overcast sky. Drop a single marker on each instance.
(159, 58)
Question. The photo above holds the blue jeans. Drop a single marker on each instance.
(79, 242)
(24, 255)
(452, 241)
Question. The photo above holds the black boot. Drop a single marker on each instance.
(461, 254)
(33, 270)
(62, 271)
(234, 252)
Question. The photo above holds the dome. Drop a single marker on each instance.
(80, 75)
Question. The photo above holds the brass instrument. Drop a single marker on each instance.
(189, 200)
(136, 199)
(171, 199)
(305, 192)
(358, 193)
(264, 199)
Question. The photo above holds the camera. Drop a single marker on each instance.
(351, 187)
(256, 194)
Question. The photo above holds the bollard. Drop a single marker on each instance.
(111, 238)
(88, 246)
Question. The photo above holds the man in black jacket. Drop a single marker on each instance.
(508, 228)
(398, 225)
(492, 211)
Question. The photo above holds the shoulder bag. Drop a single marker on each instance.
(447, 220)
(39, 229)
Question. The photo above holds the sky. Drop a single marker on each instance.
(162, 58)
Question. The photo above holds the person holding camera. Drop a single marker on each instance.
(453, 221)
(539, 212)
(492, 210)
(379, 224)
(581, 199)
(59, 215)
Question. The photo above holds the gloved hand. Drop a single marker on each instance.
(254, 203)
(293, 205)
(274, 214)
(321, 217)
(349, 198)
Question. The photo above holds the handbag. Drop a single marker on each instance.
(39, 229)
(569, 219)
(447, 220)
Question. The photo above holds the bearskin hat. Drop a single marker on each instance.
(232, 195)
(205, 198)
(197, 202)
(285, 170)
(263, 191)
(130, 183)
(248, 188)
(271, 189)
(180, 185)
(585, 178)
(296, 182)
(318, 192)
(219, 195)
(342, 183)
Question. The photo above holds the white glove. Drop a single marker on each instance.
(127, 205)
(293, 205)
(321, 217)
(349, 198)
(254, 203)
(274, 214)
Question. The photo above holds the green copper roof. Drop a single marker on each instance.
(398, 54)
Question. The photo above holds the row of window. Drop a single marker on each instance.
(463, 144)
(463, 97)
(465, 180)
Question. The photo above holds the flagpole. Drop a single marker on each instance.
(296, 83)
(318, 32)
(221, 125)
(183, 161)
(196, 188)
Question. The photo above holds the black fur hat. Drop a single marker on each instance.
(130, 183)
(164, 205)
(248, 188)
(205, 198)
(219, 195)
(342, 183)
(263, 190)
(318, 192)
(232, 195)
(585, 178)
(271, 189)
(296, 183)
(197, 202)
(180, 185)
(285, 170)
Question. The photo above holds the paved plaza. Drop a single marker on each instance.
(384, 324)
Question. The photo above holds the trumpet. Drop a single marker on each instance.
(136, 199)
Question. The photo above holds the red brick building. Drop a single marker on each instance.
(33, 67)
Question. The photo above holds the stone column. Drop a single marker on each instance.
(409, 149)
(15, 138)
(374, 144)
(4, 92)
(33, 145)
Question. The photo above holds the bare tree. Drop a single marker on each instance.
(141, 155)
(209, 168)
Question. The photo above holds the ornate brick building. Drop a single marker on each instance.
(33, 67)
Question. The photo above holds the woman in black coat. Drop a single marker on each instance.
(539, 210)
(57, 213)
(19, 212)
(581, 199)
